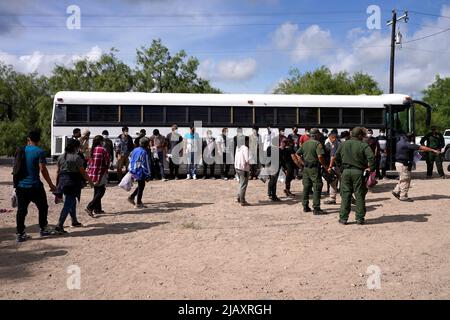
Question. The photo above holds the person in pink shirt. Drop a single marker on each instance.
(242, 168)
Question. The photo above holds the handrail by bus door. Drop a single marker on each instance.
(429, 108)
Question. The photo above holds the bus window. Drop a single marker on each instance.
(130, 114)
(175, 114)
(308, 116)
(373, 116)
(199, 114)
(60, 113)
(100, 113)
(286, 116)
(264, 115)
(243, 116)
(351, 117)
(154, 114)
(220, 115)
(76, 113)
(329, 117)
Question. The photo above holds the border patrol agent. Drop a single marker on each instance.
(434, 140)
(354, 156)
(312, 154)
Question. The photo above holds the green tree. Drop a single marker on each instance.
(106, 74)
(323, 81)
(159, 71)
(438, 96)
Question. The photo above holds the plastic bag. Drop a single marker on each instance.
(417, 157)
(263, 175)
(372, 180)
(14, 199)
(282, 177)
(127, 182)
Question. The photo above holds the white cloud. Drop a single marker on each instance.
(44, 63)
(228, 70)
(302, 44)
(285, 35)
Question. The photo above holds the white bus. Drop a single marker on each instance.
(98, 111)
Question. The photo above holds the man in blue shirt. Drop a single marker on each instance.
(31, 189)
(192, 150)
(404, 158)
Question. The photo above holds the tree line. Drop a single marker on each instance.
(30, 96)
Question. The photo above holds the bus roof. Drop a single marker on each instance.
(196, 99)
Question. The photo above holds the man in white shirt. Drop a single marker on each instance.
(224, 149)
(242, 168)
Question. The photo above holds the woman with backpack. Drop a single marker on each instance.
(98, 171)
(71, 174)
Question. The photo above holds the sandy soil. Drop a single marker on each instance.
(194, 242)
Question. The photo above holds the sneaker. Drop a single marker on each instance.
(288, 193)
(165, 179)
(76, 224)
(22, 237)
(360, 222)
(60, 230)
(306, 209)
(194, 177)
(237, 200)
(245, 203)
(330, 201)
(225, 179)
(275, 199)
(395, 194)
(90, 213)
(319, 212)
(140, 206)
(406, 199)
(188, 177)
(176, 178)
(99, 212)
(131, 200)
(443, 177)
(46, 232)
(342, 221)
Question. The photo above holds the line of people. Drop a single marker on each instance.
(342, 160)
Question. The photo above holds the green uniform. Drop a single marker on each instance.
(353, 156)
(436, 142)
(312, 179)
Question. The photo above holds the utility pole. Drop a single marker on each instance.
(393, 22)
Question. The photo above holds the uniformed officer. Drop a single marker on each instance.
(353, 157)
(434, 140)
(312, 153)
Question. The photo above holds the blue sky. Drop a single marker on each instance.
(243, 46)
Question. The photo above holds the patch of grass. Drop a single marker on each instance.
(191, 225)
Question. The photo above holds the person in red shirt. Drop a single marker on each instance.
(304, 137)
(98, 172)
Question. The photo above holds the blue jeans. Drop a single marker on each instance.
(161, 163)
(70, 207)
(192, 167)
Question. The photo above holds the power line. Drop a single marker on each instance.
(429, 14)
(189, 15)
(428, 36)
(183, 25)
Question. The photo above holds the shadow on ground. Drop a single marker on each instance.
(399, 218)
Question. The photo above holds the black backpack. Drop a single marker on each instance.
(20, 166)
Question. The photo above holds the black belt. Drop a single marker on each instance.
(311, 165)
(349, 166)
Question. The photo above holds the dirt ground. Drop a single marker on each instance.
(194, 242)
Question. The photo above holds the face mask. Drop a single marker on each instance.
(369, 135)
(343, 139)
(105, 136)
(382, 134)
